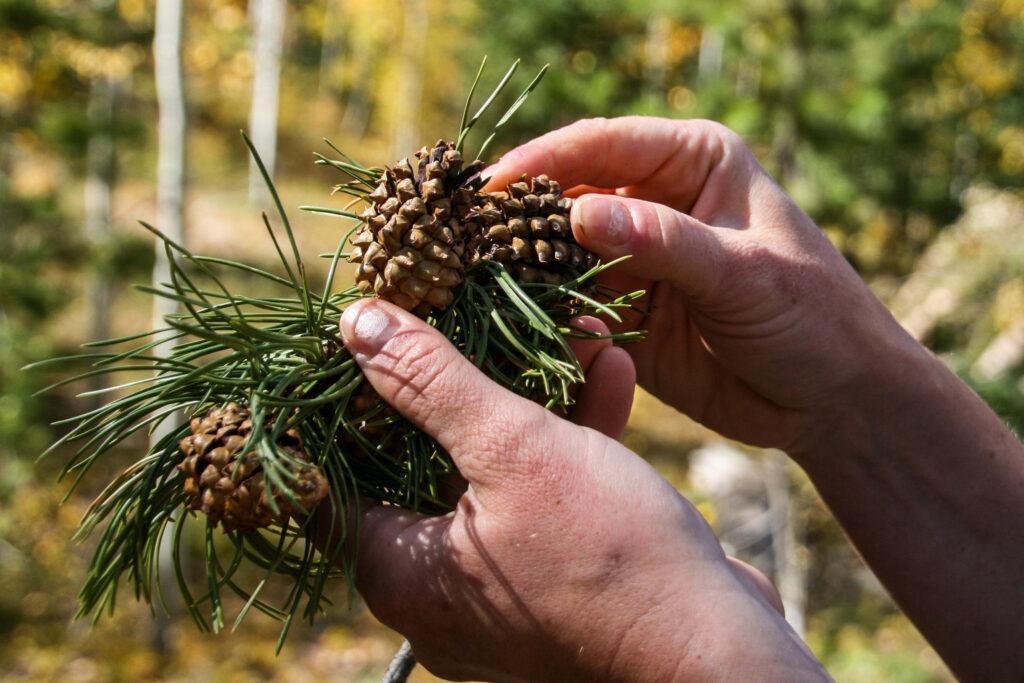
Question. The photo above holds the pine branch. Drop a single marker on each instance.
(280, 356)
(401, 666)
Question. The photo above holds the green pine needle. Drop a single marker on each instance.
(281, 356)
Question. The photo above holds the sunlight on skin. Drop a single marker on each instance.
(763, 332)
(567, 555)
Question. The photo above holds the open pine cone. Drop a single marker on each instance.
(428, 224)
(527, 229)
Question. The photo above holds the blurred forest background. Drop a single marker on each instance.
(898, 125)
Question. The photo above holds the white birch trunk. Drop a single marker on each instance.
(748, 77)
(362, 48)
(406, 135)
(790, 576)
(757, 521)
(1002, 354)
(356, 118)
(171, 134)
(98, 191)
(268, 34)
(787, 133)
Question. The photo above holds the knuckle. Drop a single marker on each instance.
(586, 133)
(516, 442)
(547, 452)
(677, 235)
(723, 142)
(390, 607)
(504, 433)
(720, 132)
(754, 262)
(578, 135)
(419, 370)
(711, 127)
(764, 268)
(669, 226)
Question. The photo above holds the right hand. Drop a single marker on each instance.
(567, 557)
(757, 326)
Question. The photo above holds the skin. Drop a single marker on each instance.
(570, 559)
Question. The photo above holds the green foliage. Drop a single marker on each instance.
(29, 246)
(866, 111)
(281, 357)
(876, 115)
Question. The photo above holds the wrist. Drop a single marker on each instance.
(725, 633)
(922, 475)
(881, 394)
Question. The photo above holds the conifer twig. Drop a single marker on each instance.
(401, 666)
(275, 348)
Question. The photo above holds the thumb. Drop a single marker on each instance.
(664, 244)
(493, 435)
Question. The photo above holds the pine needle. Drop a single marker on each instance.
(280, 355)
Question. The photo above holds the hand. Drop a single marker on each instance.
(758, 327)
(568, 557)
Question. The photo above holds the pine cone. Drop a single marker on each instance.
(427, 224)
(527, 229)
(230, 490)
(410, 252)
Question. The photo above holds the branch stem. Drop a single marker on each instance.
(401, 666)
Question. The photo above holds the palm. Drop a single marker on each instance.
(680, 362)
(741, 329)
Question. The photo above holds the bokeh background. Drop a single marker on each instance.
(898, 125)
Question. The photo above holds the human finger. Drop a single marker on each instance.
(679, 156)
(605, 400)
(756, 579)
(397, 550)
(663, 244)
(586, 349)
(492, 434)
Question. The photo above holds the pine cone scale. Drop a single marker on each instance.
(228, 487)
(428, 224)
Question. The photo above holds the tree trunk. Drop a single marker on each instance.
(100, 172)
(171, 134)
(1003, 353)
(361, 47)
(787, 526)
(170, 199)
(406, 135)
(357, 107)
(787, 131)
(268, 34)
(756, 521)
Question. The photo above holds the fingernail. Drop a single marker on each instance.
(604, 220)
(366, 327)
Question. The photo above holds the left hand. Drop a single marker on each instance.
(568, 557)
